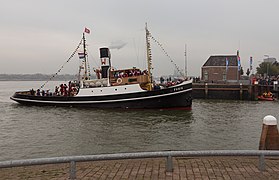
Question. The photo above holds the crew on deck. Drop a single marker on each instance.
(62, 90)
(129, 73)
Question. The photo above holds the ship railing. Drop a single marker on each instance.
(139, 155)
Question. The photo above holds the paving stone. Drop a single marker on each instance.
(228, 168)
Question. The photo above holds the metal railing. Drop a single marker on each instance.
(139, 155)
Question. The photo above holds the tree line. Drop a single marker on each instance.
(265, 68)
(36, 77)
(271, 69)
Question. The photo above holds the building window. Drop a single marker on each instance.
(205, 76)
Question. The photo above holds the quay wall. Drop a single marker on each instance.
(231, 91)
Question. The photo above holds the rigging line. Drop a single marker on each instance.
(137, 54)
(161, 46)
(88, 67)
(93, 59)
(71, 56)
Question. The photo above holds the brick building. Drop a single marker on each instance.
(214, 69)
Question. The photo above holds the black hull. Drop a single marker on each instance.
(178, 97)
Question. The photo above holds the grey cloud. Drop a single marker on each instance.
(117, 44)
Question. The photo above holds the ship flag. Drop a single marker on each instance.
(227, 64)
(81, 55)
(238, 61)
(238, 64)
(86, 30)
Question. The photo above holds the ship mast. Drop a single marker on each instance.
(85, 58)
(149, 59)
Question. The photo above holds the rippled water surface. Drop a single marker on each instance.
(32, 132)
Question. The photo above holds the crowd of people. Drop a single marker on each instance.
(169, 82)
(265, 80)
(122, 73)
(129, 73)
(61, 90)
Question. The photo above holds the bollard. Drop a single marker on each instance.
(269, 137)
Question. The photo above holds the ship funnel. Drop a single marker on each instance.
(105, 61)
(104, 52)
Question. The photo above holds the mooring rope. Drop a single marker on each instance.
(161, 46)
(71, 56)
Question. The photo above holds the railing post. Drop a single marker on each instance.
(169, 164)
(240, 91)
(206, 90)
(261, 163)
(73, 170)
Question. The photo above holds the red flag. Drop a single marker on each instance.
(86, 30)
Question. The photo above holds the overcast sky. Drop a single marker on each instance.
(39, 36)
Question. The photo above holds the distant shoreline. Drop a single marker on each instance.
(36, 77)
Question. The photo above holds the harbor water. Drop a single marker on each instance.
(35, 132)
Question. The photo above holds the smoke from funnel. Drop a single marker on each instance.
(117, 44)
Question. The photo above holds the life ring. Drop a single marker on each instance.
(119, 81)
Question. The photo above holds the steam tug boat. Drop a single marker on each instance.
(126, 88)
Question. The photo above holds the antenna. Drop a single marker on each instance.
(238, 44)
